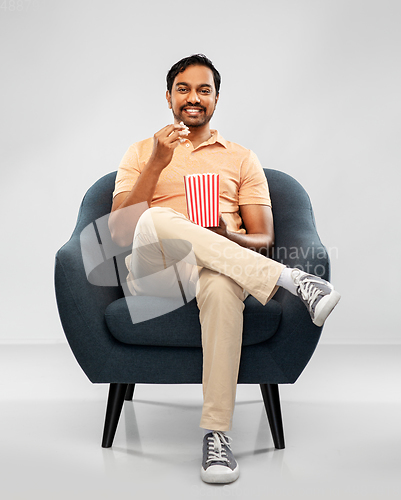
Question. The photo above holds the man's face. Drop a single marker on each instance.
(193, 96)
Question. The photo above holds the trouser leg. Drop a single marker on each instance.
(227, 271)
(220, 302)
(161, 267)
(255, 273)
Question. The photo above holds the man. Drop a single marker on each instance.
(226, 263)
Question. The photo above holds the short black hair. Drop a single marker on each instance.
(194, 60)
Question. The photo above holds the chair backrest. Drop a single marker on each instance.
(289, 199)
(96, 202)
(297, 243)
(290, 202)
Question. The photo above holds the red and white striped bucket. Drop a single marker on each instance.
(202, 194)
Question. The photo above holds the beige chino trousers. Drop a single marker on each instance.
(171, 256)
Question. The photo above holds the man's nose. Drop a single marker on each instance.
(193, 97)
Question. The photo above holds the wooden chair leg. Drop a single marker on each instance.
(129, 394)
(114, 406)
(271, 400)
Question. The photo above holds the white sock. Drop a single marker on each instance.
(286, 281)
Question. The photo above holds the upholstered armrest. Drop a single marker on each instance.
(81, 307)
(297, 244)
(305, 251)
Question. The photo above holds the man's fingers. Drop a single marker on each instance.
(170, 129)
(168, 138)
(165, 131)
(173, 139)
(176, 137)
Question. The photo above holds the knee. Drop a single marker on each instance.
(162, 217)
(145, 224)
(150, 217)
(218, 289)
(150, 213)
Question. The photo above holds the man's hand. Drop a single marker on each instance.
(258, 221)
(164, 143)
(221, 228)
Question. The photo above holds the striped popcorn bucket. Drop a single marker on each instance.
(202, 195)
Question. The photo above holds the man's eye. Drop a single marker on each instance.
(181, 89)
(205, 91)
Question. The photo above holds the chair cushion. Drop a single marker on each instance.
(165, 322)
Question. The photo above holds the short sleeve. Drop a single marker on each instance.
(128, 171)
(253, 189)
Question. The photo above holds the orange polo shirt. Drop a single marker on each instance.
(242, 180)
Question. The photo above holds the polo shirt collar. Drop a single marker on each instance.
(216, 137)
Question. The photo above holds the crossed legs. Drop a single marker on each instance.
(221, 274)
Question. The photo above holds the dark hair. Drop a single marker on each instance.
(195, 59)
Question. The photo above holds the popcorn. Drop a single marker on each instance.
(183, 132)
(185, 128)
(202, 196)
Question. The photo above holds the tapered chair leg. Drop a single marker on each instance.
(129, 394)
(114, 406)
(271, 400)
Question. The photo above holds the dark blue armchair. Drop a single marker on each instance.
(97, 318)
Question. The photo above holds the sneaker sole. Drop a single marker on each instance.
(219, 474)
(325, 306)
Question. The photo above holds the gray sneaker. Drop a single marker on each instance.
(317, 294)
(218, 464)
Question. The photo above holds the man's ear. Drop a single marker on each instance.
(168, 97)
(217, 98)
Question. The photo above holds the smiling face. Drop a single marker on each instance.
(193, 96)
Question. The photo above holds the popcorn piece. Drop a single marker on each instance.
(185, 130)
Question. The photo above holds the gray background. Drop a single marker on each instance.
(312, 86)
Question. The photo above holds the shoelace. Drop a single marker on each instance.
(216, 452)
(309, 291)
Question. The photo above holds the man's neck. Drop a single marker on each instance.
(198, 135)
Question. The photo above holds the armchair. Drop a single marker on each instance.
(279, 338)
